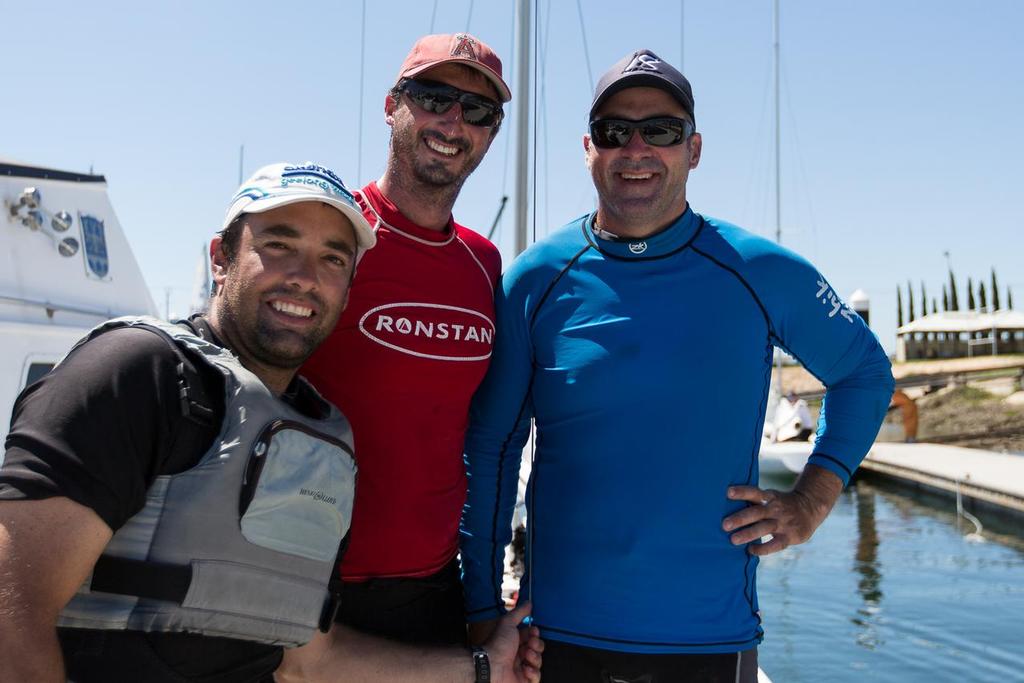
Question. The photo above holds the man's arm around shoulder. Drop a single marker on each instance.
(47, 549)
(345, 654)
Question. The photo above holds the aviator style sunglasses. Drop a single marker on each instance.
(438, 98)
(659, 131)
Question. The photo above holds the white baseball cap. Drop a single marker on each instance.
(282, 184)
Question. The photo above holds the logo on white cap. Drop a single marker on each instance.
(312, 174)
(281, 184)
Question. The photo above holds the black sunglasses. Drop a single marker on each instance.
(659, 131)
(438, 98)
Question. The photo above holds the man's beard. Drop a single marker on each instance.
(284, 349)
(268, 344)
(430, 173)
(651, 207)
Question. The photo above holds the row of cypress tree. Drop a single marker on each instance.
(951, 298)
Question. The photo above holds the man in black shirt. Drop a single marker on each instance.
(89, 440)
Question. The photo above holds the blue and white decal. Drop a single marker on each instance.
(314, 174)
(253, 193)
(95, 241)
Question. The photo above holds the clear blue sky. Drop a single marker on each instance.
(902, 133)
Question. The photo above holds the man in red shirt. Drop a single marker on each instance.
(414, 343)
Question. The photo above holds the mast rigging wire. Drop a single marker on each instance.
(586, 50)
(682, 42)
(536, 69)
(801, 167)
(757, 205)
(362, 75)
(544, 119)
(508, 136)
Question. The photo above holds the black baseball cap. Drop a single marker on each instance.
(643, 68)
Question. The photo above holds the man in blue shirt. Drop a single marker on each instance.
(645, 516)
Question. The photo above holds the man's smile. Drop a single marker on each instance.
(298, 313)
(440, 147)
(291, 309)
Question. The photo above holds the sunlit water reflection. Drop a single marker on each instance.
(892, 589)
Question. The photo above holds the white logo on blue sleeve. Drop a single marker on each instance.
(828, 298)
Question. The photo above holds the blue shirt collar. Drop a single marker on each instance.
(673, 238)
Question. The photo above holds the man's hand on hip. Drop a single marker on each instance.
(790, 518)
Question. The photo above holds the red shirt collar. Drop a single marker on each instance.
(389, 213)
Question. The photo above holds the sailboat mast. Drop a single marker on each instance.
(523, 116)
(682, 41)
(778, 155)
(778, 132)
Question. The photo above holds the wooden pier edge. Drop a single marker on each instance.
(996, 500)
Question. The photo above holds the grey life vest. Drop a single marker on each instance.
(243, 544)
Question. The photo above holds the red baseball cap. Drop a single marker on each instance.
(459, 48)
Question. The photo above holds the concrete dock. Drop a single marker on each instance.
(993, 480)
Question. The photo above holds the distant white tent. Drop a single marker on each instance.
(954, 334)
(965, 321)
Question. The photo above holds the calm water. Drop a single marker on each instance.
(891, 589)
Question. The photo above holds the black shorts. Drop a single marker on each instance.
(566, 663)
(94, 656)
(428, 610)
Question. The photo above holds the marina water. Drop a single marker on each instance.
(895, 586)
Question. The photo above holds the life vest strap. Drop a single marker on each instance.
(142, 579)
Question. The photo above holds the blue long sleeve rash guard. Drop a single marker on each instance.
(646, 367)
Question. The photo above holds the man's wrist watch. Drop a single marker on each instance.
(483, 665)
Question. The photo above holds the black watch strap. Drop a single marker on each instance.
(483, 665)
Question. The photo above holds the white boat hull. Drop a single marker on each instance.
(65, 266)
(783, 459)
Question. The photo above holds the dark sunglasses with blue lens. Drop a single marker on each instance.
(658, 131)
(438, 98)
